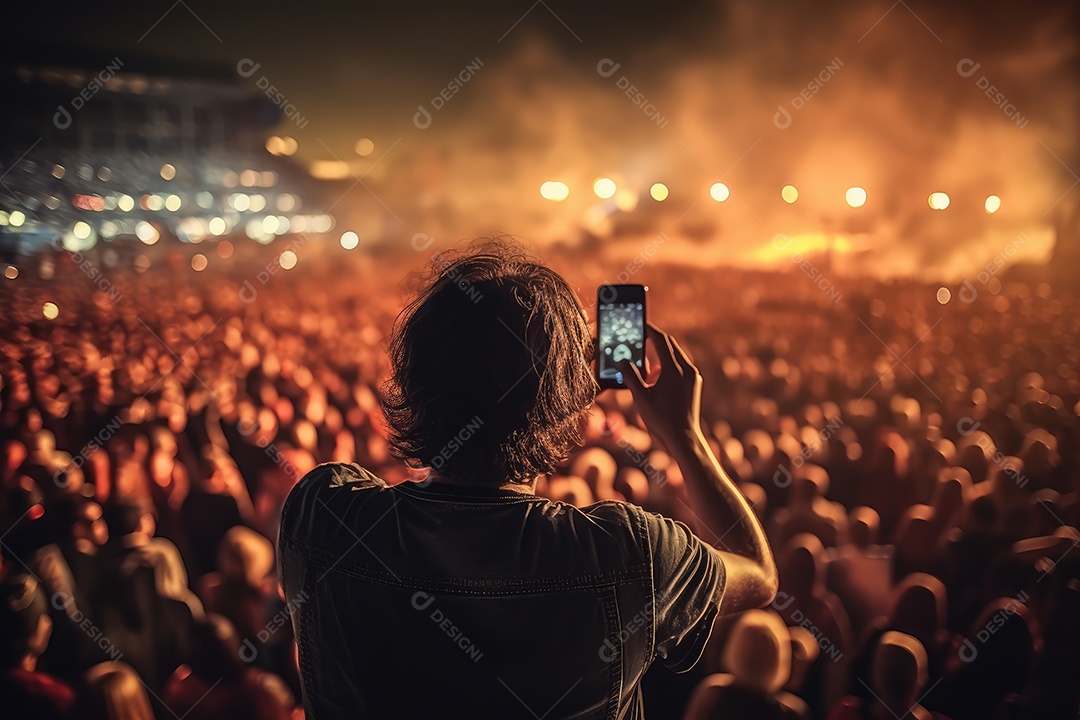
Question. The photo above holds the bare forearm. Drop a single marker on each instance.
(720, 511)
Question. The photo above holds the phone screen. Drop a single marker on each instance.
(620, 318)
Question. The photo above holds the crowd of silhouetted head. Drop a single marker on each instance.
(914, 463)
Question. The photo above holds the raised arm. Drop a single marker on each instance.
(669, 401)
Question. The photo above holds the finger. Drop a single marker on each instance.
(631, 377)
(664, 341)
(682, 356)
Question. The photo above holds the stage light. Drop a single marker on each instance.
(938, 200)
(364, 147)
(659, 192)
(855, 197)
(199, 262)
(287, 260)
(604, 188)
(993, 204)
(349, 240)
(554, 190)
(50, 311)
(719, 192)
(790, 194)
(168, 172)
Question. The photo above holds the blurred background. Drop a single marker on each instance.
(861, 218)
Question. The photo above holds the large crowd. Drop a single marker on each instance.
(911, 453)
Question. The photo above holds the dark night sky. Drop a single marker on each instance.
(897, 118)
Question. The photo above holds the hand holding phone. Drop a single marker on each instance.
(620, 330)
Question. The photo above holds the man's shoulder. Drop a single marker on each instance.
(314, 488)
(337, 475)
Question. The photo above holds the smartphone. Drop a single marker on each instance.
(620, 331)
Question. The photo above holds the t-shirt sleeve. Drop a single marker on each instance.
(688, 585)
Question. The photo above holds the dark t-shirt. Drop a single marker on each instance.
(413, 601)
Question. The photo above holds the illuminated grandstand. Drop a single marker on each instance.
(123, 152)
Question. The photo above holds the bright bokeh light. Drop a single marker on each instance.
(81, 230)
(17, 218)
(289, 146)
(993, 204)
(604, 188)
(364, 147)
(258, 203)
(11, 272)
(172, 203)
(626, 200)
(790, 194)
(153, 202)
(198, 262)
(659, 192)
(554, 190)
(225, 249)
(944, 295)
(218, 226)
(287, 260)
(50, 311)
(271, 224)
(719, 192)
(855, 197)
(240, 202)
(146, 232)
(126, 203)
(168, 172)
(349, 240)
(938, 200)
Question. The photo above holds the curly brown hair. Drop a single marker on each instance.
(490, 367)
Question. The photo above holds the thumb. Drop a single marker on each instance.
(631, 376)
